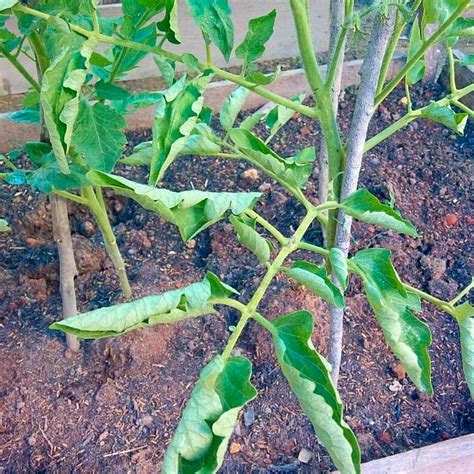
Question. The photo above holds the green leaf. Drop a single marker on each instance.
(213, 17)
(190, 302)
(438, 11)
(260, 155)
(260, 31)
(252, 120)
(338, 262)
(260, 79)
(417, 72)
(60, 92)
(167, 69)
(280, 115)
(232, 107)
(249, 237)
(308, 375)
(169, 24)
(4, 227)
(446, 116)
(316, 279)
(407, 336)
(191, 211)
(365, 207)
(49, 176)
(5, 4)
(202, 142)
(26, 115)
(200, 441)
(109, 91)
(174, 123)
(99, 135)
(191, 62)
(465, 318)
(467, 60)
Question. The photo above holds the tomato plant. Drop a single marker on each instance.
(82, 110)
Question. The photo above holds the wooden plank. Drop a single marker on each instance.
(283, 43)
(455, 456)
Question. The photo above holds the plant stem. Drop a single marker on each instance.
(21, 69)
(267, 226)
(415, 114)
(70, 197)
(237, 79)
(420, 53)
(96, 205)
(313, 248)
(363, 113)
(324, 105)
(67, 263)
(339, 11)
(463, 293)
(452, 72)
(274, 268)
(393, 43)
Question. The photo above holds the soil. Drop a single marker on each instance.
(114, 406)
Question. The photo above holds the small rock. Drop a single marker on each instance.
(395, 387)
(403, 101)
(470, 220)
(445, 436)
(265, 187)
(375, 162)
(305, 456)
(191, 244)
(146, 421)
(235, 448)
(31, 440)
(386, 437)
(250, 176)
(305, 131)
(249, 416)
(88, 228)
(278, 198)
(451, 220)
(31, 242)
(399, 371)
(436, 266)
(443, 191)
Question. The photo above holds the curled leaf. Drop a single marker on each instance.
(365, 207)
(407, 336)
(190, 302)
(191, 211)
(200, 441)
(308, 374)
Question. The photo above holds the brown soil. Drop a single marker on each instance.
(114, 406)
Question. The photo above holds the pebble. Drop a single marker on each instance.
(191, 244)
(249, 416)
(386, 437)
(305, 456)
(265, 187)
(251, 175)
(451, 220)
(235, 448)
(146, 421)
(399, 371)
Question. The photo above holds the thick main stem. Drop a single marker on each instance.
(97, 207)
(67, 262)
(336, 55)
(363, 113)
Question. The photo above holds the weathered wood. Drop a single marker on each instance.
(288, 84)
(455, 456)
(283, 44)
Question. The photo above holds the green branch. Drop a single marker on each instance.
(432, 40)
(250, 308)
(416, 114)
(20, 68)
(236, 79)
(267, 226)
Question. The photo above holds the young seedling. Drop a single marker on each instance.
(89, 140)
